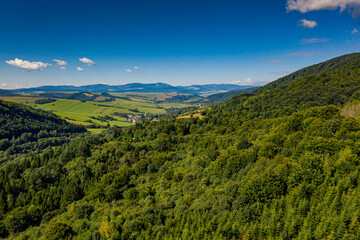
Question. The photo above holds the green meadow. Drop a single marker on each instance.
(83, 113)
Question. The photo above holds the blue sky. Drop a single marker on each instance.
(180, 42)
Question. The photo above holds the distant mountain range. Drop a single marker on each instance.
(223, 97)
(6, 93)
(137, 87)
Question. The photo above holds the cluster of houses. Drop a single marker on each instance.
(134, 118)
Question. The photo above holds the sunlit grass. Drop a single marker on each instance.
(83, 113)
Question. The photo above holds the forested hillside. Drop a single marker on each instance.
(81, 96)
(223, 97)
(315, 69)
(282, 164)
(332, 87)
(5, 93)
(24, 129)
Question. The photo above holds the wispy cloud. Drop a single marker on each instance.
(307, 23)
(28, 66)
(87, 61)
(133, 69)
(305, 54)
(314, 40)
(60, 63)
(305, 6)
(355, 31)
(276, 61)
(247, 81)
(79, 69)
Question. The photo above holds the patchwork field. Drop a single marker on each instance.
(98, 115)
(194, 114)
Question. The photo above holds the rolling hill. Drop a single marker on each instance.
(18, 119)
(5, 93)
(81, 96)
(335, 86)
(223, 97)
(326, 66)
(24, 129)
(279, 164)
(136, 87)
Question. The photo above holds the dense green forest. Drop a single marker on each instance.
(6, 93)
(276, 164)
(315, 69)
(24, 129)
(223, 97)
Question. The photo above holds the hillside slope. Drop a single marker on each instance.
(335, 87)
(283, 164)
(137, 88)
(6, 93)
(223, 97)
(20, 126)
(314, 69)
(81, 96)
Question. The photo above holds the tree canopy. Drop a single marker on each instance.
(279, 164)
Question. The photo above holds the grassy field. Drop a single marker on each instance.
(83, 113)
(192, 115)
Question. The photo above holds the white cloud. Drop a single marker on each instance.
(128, 70)
(28, 66)
(305, 6)
(4, 85)
(87, 61)
(60, 62)
(314, 40)
(355, 31)
(243, 82)
(136, 67)
(307, 23)
(276, 61)
(79, 69)
(249, 80)
(237, 82)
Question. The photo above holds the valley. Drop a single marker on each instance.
(92, 114)
(99, 111)
(180, 120)
(283, 157)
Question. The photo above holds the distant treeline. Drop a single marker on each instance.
(281, 163)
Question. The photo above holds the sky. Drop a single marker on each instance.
(179, 42)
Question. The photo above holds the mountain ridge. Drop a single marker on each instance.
(136, 87)
(336, 82)
(325, 66)
(281, 164)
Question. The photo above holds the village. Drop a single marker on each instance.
(135, 118)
